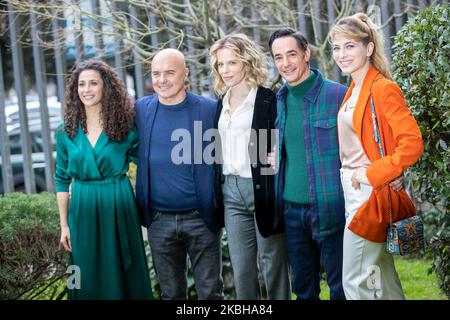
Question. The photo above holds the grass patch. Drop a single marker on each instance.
(416, 282)
(51, 290)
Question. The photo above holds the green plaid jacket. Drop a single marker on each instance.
(321, 105)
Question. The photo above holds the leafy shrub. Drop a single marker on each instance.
(421, 61)
(440, 248)
(31, 263)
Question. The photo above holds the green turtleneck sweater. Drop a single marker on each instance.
(296, 176)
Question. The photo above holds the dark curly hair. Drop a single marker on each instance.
(116, 113)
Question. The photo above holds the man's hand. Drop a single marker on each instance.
(272, 158)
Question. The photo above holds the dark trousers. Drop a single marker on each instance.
(175, 236)
(305, 253)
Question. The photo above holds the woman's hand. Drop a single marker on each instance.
(65, 239)
(359, 176)
(397, 184)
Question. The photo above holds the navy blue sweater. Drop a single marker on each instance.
(170, 162)
(201, 118)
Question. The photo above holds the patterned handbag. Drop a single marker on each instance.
(405, 236)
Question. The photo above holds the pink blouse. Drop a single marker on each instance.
(350, 149)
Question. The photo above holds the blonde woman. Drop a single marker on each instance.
(368, 270)
(245, 118)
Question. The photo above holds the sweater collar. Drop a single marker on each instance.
(312, 93)
(303, 87)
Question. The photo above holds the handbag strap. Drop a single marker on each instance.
(377, 137)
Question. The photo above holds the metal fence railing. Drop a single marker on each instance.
(53, 35)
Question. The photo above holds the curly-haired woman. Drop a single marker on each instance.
(100, 225)
(245, 119)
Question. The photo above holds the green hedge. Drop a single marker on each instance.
(421, 63)
(31, 262)
(32, 266)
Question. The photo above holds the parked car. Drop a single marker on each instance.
(37, 142)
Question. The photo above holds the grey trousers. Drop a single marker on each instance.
(246, 244)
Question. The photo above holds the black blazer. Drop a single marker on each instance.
(268, 220)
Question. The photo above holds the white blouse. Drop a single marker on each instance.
(235, 130)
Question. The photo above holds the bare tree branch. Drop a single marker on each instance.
(173, 18)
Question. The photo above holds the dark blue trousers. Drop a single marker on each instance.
(305, 254)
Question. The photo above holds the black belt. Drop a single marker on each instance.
(178, 212)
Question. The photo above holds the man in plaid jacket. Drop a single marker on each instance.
(308, 188)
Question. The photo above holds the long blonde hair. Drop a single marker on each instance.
(248, 53)
(359, 27)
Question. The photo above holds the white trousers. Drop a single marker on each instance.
(368, 271)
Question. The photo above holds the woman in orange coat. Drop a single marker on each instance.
(368, 270)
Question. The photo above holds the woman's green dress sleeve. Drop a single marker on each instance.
(62, 179)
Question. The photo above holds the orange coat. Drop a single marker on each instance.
(402, 145)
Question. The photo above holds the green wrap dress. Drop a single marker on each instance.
(106, 236)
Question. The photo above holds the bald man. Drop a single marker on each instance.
(175, 194)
